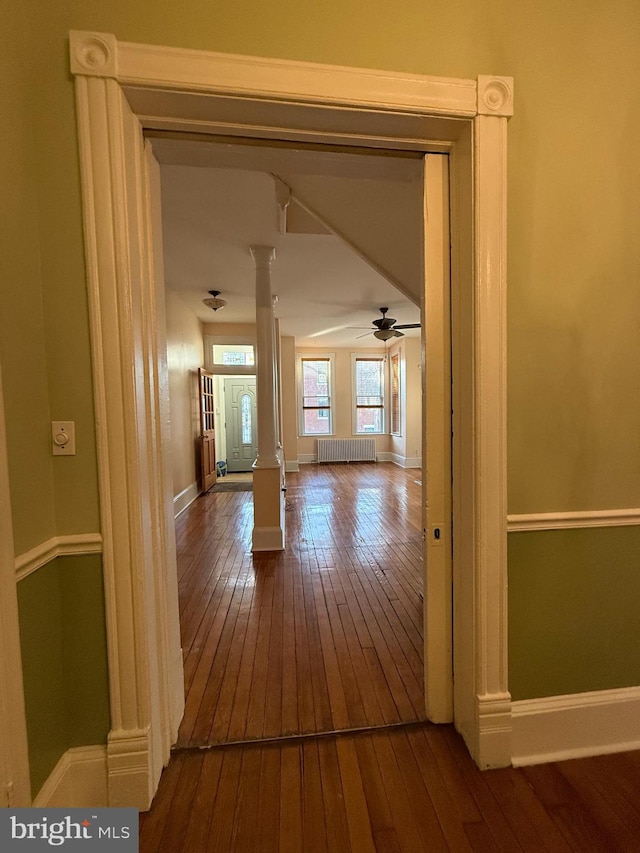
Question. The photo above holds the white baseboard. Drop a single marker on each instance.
(182, 500)
(79, 780)
(574, 726)
(398, 459)
(291, 465)
(307, 458)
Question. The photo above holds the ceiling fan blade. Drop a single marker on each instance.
(370, 332)
(408, 326)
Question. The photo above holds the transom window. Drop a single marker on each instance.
(231, 354)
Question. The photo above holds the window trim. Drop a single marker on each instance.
(329, 357)
(395, 357)
(361, 356)
(229, 340)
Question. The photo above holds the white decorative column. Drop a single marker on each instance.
(268, 497)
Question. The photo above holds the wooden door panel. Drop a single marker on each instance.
(207, 430)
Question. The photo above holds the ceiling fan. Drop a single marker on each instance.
(386, 327)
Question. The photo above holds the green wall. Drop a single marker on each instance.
(574, 600)
(574, 263)
(63, 637)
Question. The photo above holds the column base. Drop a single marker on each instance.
(268, 509)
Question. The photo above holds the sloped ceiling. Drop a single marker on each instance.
(219, 200)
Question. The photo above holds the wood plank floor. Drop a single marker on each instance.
(400, 790)
(325, 636)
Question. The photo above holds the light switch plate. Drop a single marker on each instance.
(63, 438)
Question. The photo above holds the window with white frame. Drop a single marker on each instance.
(315, 376)
(394, 407)
(368, 393)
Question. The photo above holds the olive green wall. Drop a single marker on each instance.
(574, 600)
(574, 202)
(63, 636)
(574, 256)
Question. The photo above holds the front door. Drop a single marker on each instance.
(241, 422)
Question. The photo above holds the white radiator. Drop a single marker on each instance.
(346, 450)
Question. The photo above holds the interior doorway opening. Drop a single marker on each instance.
(124, 89)
(357, 589)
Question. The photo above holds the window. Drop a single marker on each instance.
(368, 383)
(237, 358)
(245, 415)
(233, 354)
(395, 394)
(314, 394)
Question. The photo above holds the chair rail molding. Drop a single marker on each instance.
(57, 546)
(521, 523)
(123, 90)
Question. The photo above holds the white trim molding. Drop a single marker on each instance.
(268, 539)
(291, 465)
(121, 91)
(57, 546)
(15, 785)
(184, 499)
(556, 728)
(79, 780)
(398, 459)
(573, 520)
(494, 730)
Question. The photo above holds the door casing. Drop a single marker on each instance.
(123, 89)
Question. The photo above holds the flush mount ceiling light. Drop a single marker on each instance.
(214, 302)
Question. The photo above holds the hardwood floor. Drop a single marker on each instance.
(325, 636)
(403, 790)
(329, 636)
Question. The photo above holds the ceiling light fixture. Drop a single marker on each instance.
(386, 334)
(214, 302)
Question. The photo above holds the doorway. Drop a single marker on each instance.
(240, 423)
(120, 92)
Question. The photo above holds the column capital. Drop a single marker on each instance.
(263, 255)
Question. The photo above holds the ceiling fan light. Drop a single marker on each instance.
(386, 334)
(214, 302)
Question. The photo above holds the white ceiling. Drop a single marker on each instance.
(219, 200)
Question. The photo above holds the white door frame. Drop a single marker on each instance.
(15, 785)
(227, 428)
(123, 89)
